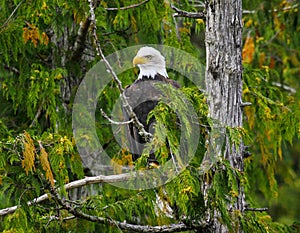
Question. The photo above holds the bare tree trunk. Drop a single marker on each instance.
(224, 80)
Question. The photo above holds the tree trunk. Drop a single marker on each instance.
(224, 81)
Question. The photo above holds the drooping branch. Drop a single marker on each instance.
(178, 227)
(182, 13)
(126, 7)
(147, 136)
(77, 184)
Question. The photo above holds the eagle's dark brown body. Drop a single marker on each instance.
(143, 95)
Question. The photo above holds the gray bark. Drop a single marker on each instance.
(224, 81)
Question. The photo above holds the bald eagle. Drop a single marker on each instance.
(143, 95)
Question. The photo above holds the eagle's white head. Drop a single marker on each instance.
(150, 62)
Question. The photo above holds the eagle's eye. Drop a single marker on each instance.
(149, 57)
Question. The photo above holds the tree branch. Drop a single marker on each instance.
(285, 87)
(147, 136)
(256, 209)
(112, 121)
(79, 45)
(121, 225)
(126, 7)
(77, 184)
(273, 10)
(182, 13)
(11, 15)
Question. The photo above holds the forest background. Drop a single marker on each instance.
(46, 49)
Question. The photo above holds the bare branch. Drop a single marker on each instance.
(147, 136)
(245, 104)
(182, 13)
(273, 10)
(77, 184)
(122, 225)
(11, 15)
(112, 121)
(285, 87)
(38, 114)
(12, 69)
(256, 209)
(127, 7)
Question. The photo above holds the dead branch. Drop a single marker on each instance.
(126, 7)
(77, 184)
(285, 87)
(273, 10)
(121, 225)
(256, 209)
(112, 121)
(182, 13)
(11, 15)
(147, 136)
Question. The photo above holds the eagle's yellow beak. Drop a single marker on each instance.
(139, 60)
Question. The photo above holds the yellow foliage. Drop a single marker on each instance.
(45, 38)
(262, 58)
(187, 190)
(248, 23)
(200, 21)
(32, 33)
(46, 166)
(117, 163)
(250, 113)
(233, 193)
(248, 50)
(28, 154)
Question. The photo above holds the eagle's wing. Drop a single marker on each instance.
(143, 96)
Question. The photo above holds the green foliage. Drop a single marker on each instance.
(46, 49)
(271, 54)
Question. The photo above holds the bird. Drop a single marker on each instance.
(143, 96)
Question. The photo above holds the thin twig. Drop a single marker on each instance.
(114, 122)
(126, 7)
(273, 10)
(147, 136)
(182, 13)
(11, 15)
(38, 114)
(285, 87)
(256, 209)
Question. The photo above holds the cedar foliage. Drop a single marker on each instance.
(46, 49)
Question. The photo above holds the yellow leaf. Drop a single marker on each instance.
(28, 154)
(46, 166)
(45, 39)
(248, 50)
(187, 190)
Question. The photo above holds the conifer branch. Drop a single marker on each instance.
(126, 7)
(77, 184)
(186, 14)
(178, 227)
(146, 135)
